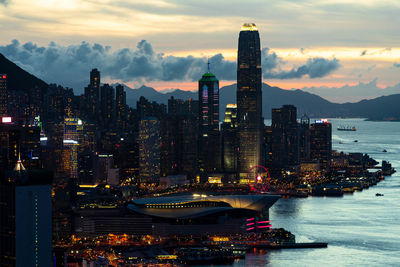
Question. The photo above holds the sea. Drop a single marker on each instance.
(361, 229)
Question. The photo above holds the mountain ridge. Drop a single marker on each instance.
(380, 108)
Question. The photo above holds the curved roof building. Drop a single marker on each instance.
(197, 206)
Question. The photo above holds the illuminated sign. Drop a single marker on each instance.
(6, 119)
(321, 121)
(67, 141)
(4, 76)
(214, 180)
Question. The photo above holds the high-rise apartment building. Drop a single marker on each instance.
(249, 99)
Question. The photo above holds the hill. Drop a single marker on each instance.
(17, 78)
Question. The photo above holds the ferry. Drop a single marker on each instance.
(346, 128)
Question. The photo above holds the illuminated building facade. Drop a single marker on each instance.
(209, 135)
(229, 139)
(149, 150)
(285, 141)
(3, 95)
(92, 96)
(249, 99)
(26, 218)
(321, 143)
(72, 138)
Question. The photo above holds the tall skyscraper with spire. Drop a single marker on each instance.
(249, 99)
(209, 139)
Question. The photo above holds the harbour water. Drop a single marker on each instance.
(361, 228)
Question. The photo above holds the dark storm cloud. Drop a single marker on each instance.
(313, 68)
(70, 65)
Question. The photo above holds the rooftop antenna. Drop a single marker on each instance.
(208, 64)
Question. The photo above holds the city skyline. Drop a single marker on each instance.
(337, 64)
(113, 176)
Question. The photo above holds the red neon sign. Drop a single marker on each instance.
(263, 221)
(264, 226)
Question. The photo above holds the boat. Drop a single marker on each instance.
(355, 141)
(340, 142)
(384, 150)
(379, 195)
(347, 128)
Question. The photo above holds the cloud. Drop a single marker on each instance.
(397, 65)
(314, 67)
(70, 65)
(4, 2)
(383, 51)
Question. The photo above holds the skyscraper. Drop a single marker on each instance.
(26, 217)
(3, 95)
(107, 104)
(285, 141)
(209, 136)
(229, 140)
(304, 139)
(73, 129)
(149, 150)
(92, 96)
(249, 99)
(120, 107)
(321, 143)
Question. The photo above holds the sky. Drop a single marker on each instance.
(342, 50)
